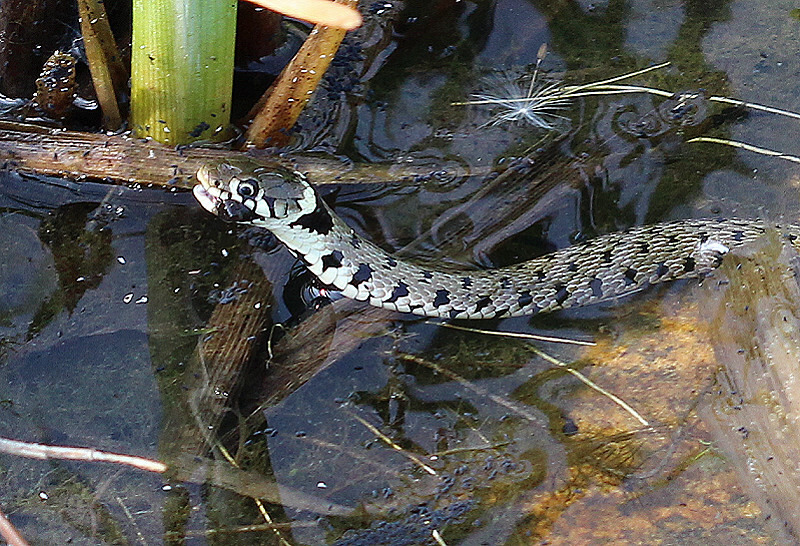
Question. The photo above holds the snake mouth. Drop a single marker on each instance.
(230, 210)
(208, 201)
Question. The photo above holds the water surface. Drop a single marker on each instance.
(109, 291)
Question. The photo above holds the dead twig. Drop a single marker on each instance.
(44, 452)
(122, 159)
(591, 384)
(108, 74)
(388, 441)
(748, 147)
(519, 335)
(278, 109)
(10, 533)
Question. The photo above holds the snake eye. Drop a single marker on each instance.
(246, 188)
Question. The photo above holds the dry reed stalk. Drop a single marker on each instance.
(278, 109)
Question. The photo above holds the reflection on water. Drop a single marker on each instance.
(125, 309)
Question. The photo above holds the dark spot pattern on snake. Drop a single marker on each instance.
(334, 259)
(400, 291)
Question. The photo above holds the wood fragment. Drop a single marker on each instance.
(108, 74)
(10, 533)
(44, 452)
(318, 341)
(278, 109)
(123, 159)
(752, 306)
(223, 356)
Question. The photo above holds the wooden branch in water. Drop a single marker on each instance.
(115, 158)
(320, 340)
(122, 159)
(753, 311)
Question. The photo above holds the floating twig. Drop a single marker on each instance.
(44, 452)
(455, 450)
(388, 441)
(748, 147)
(591, 384)
(536, 337)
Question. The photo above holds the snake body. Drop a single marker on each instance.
(283, 202)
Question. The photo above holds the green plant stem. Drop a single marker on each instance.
(182, 68)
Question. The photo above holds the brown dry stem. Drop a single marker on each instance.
(10, 533)
(122, 159)
(108, 74)
(42, 451)
(278, 109)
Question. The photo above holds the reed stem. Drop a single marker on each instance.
(182, 68)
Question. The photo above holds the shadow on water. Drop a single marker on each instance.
(136, 323)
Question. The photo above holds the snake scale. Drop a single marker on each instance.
(607, 267)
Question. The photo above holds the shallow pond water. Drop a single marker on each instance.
(402, 429)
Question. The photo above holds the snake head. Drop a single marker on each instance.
(249, 192)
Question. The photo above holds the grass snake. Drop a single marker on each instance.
(607, 267)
